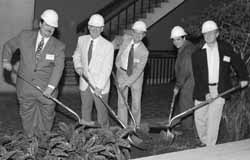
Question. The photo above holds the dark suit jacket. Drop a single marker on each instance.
(227, 58)
(47, 71)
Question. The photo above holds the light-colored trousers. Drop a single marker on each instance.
(87, 98)
(136, 92)
(207, 118)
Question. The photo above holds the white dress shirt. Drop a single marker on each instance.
(124, 56)
(39, 38)
(213, 62)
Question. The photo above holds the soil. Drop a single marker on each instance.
(155, 104)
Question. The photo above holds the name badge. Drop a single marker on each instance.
(136, 60)
(50, 57)
(226, 59)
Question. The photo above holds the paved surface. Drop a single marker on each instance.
(238, 150)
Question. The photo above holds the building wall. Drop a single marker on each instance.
(73, 13)
(70, 13)
(158, 35)
(15, 15)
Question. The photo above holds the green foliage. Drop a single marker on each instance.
(69, 143)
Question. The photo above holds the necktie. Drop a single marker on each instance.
(90, 51)
(39, 50)
(130, 60)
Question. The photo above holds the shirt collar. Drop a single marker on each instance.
(205, 46)
(96, 39)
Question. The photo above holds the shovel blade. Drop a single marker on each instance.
(167, 136)
(137, 142)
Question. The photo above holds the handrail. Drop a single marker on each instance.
(116, 20)
(104, 12)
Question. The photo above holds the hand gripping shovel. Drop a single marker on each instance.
(138, 131)
(134, 140)
(90, 124)
(176, 119)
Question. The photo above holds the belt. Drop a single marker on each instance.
(212, 84)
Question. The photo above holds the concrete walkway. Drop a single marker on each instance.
(239, 150)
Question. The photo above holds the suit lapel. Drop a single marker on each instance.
(221, 59)
(204, 62)
(123, 47)
(33, 46)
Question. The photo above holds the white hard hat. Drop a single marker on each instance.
(50, 17)
(177, 31)
(139, 26)
(208, 26)
(96, 20)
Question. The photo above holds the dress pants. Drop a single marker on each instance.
(207, 118)
(87, 98)
(136, 92)
(37, 113)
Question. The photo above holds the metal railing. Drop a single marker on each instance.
(159, 69)
(119, 19)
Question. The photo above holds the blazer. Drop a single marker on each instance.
(227, 58)
(47, 71)
(140, 60)
(100, 67)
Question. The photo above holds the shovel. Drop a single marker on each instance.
(90, 124)
(168, 133)
(176, 119)
(135, 127)
(134, 140)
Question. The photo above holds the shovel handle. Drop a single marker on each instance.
(172, 107)
(50, 97)
(124, 99)
(105, 104)
(183, 114)
(111, 111)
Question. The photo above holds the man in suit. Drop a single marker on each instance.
(41, 64)
(211, 69)
(130, 62)
(93, 58)
(183, 72)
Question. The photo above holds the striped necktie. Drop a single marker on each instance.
(90, 51)
(39, 50)
(130, 60)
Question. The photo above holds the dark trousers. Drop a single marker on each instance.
(185, 101)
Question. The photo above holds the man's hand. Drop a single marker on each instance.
(208, 96)
(98, 91)
(176, 90)
(48, 91)
(122, 85)
(79, 71)
(7, 66)
(243, 84)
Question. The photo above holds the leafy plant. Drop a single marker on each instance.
(68, 143)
